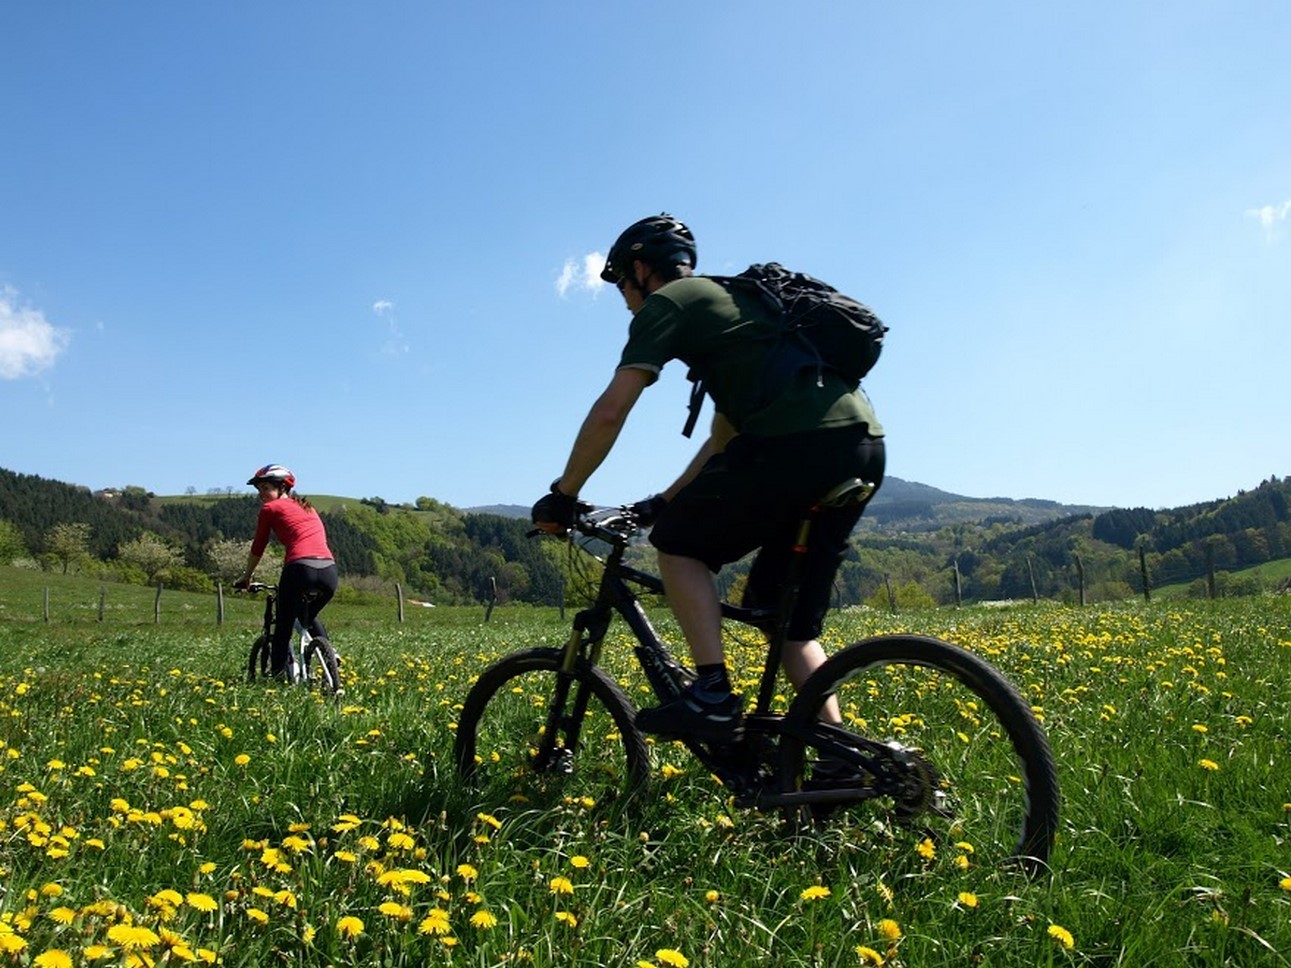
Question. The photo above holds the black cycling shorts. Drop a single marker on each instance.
(753, 495)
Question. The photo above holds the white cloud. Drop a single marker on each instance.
(1271, 217)
(584, 275)
(396, 344)
(28, 342)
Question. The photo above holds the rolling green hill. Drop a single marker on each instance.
(915, 542)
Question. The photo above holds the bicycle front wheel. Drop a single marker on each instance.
(322, 666)
(530, 731)
(948, 758)
(258, 660)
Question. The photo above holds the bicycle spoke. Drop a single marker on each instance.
(528, 734)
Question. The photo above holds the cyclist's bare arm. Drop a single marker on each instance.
(719, 435)
(602, 425)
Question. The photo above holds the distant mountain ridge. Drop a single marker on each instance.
(904, 505)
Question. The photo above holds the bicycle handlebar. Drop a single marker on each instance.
(614, 525)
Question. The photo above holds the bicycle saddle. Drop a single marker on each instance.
(851, 491)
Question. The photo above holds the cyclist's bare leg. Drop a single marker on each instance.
(692, 596)
(800, 660)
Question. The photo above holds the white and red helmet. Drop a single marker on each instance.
(276, 473)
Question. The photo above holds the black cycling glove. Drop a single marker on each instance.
(555, 508)
(647, 512)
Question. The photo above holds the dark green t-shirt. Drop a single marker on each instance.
(726, 335)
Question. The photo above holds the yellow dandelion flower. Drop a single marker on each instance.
(968, 899)
(927, 849)
(712, 897)
(816, 892)
(258, 916)
(483, 920)
(1208, 765)
(561, 885)
(297, 845)
(53, 958)
(1061, 935)
(565, 917)
(96, 952)
(62, 915)
(201, 902)
(11, 943)
(393, 909)
(51, 890)
(241, 759)
(345, 856)
(579, 861)
(368, 842)
(889, 929)
(400, 841)
(868, 956)
(1285, 883)
(436, 922)
(673, 958)
(131, 936)
(466, 872)
(489, 819)
(349, 927)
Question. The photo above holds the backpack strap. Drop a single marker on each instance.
(699, 387)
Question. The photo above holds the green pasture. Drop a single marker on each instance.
(157, 809)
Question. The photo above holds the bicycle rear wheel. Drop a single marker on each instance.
(322, 667)
(531, 731)
(954, 766)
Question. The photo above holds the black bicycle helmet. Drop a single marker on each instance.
(659, 240)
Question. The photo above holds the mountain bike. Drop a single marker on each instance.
(313, 662)
(934, 742)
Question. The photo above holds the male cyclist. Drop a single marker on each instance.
(763, 464)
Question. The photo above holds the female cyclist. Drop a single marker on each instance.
(308, 563)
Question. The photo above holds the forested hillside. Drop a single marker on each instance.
(918, 546)
(434, 551)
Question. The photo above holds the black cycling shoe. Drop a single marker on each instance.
(687, 717)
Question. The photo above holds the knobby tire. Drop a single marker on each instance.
(979, 768)
(526, 728)
(322, 666)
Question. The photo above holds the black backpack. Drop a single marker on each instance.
(819, 327)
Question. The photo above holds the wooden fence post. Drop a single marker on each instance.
(219, 603)
(493, 598)
(1210, 571)
(103, 600)
(1143, 569)
(1035, 596)
(46, 603)
(156, 606)
(892, 598)
(959, 591)
(1080, 572)
(398, 594)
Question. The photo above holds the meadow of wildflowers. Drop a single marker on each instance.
(155, 809)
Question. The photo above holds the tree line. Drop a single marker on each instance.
(432, 550)
(446, 555)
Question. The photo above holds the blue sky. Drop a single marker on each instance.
(356, 238)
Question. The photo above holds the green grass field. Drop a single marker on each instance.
(157, 809)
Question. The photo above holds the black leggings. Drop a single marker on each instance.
(298, 578)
